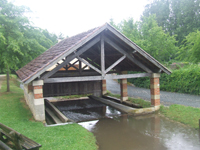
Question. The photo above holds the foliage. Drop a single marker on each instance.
(190, 50)
(184, 114)
(178, 17)
(150, 37)
(184, 80)
(19, 41)
(15, 114)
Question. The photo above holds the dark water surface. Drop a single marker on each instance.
(151, 132)
(115, 130)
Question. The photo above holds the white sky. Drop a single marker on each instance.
(71, 17)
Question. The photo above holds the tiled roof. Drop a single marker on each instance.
(51, 54)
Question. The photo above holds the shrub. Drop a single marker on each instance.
(184, 80)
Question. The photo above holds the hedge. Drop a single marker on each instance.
(184, 80)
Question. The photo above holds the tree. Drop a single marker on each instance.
(11, 21)
(178, 17)
(150, 37)
(19, 41)
(190, 50)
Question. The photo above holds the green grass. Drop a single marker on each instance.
(184, 114)
(15, 113)
(138, 101)
(73, 96)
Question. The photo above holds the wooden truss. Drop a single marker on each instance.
(101, 71)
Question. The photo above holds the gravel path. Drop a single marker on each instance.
(166, 98)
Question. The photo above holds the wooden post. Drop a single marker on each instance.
(102, 57)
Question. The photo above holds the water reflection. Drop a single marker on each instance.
(151, 132)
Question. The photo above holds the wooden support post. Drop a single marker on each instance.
(104, 87)
(155, 89)
(123, 88)
(102, 57)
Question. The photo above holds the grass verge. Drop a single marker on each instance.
(184, 114)
(15, 113)
(138, 101)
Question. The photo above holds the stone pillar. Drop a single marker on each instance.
(104, 87)
(155, 89)
(123, 88)
(38, 101)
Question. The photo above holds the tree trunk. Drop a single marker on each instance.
(8, 77)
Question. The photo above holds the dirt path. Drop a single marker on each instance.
(2, 78)
(166, 98)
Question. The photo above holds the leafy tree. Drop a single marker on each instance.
(150, 37)
(178, 17)
(19, 41)
(190, 50)
(11, 21)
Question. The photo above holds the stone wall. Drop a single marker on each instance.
(33, 93)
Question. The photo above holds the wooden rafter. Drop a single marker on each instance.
(115, 64)
(87, 63)
(129, 56)
(71, 57)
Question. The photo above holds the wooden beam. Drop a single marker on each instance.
(115, 64)
(95, 78)
(66, 53)
(71, 57)
(102, 56)
(85, 62)
(72, 65)
(129, 56)
(137, 48)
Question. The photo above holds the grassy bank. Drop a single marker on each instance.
(187, 115)
(15, 114)
(184, 114)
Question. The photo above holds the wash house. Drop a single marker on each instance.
(82, 63)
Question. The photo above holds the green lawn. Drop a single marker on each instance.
(15, 113)
(184, 114)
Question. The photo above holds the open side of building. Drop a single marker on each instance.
(82, 63)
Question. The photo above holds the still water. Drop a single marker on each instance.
(150, 132)
(115, 130)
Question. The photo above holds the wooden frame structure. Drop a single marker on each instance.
(96, 55)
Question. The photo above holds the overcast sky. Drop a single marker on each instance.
(71, 17)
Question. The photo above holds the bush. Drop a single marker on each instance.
(184, 80)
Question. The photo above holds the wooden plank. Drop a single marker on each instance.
(71, 57)
(102, 57)
(88, 64)
(53, 116)
(116, 63)
(4, 146)
(95, 78)
(118, 106)
(62, 117)
(138, 49)
(129, 56)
